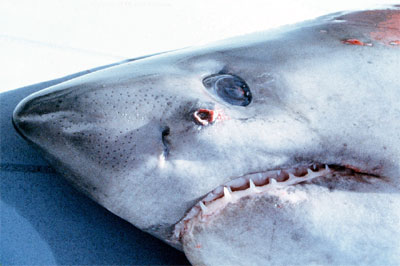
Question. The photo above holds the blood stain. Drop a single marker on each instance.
(356, 42)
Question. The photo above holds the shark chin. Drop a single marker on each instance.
(280, 147)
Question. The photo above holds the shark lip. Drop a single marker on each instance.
(255, 183)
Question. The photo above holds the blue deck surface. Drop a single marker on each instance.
(44, 220)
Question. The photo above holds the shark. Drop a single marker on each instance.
(273, 148)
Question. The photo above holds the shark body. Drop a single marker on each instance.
(295, 131)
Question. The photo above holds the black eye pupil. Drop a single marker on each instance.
(230, 88)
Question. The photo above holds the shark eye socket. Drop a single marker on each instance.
(230, 88)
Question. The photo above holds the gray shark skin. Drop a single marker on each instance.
(306, 117)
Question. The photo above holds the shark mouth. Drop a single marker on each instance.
(251, 184)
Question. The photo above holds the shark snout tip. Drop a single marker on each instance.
(26, 117)
(19, 115)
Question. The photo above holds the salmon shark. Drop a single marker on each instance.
(279, 147)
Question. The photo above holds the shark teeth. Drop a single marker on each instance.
(247, 185)
(227, 194)
(253, 187)
(203, 207)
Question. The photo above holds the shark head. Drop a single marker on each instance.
(148, 139)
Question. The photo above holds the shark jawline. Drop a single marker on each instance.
(257, 183)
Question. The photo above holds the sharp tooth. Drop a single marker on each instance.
(272, 181)
(315, 166)
(292, 176)
(327, 167)
(227, 194)
(203, 207)
(309, 171)
(252, 186)
(279, 172)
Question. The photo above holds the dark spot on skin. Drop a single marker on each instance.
(331, 187)
(165, 133)
(296, 236)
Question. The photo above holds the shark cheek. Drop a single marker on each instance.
(336, 220)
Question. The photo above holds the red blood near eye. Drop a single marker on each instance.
(204, 116)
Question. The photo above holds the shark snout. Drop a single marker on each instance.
(35, 115)
(28, 115)
(113, 128)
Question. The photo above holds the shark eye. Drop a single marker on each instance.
(230, 88)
